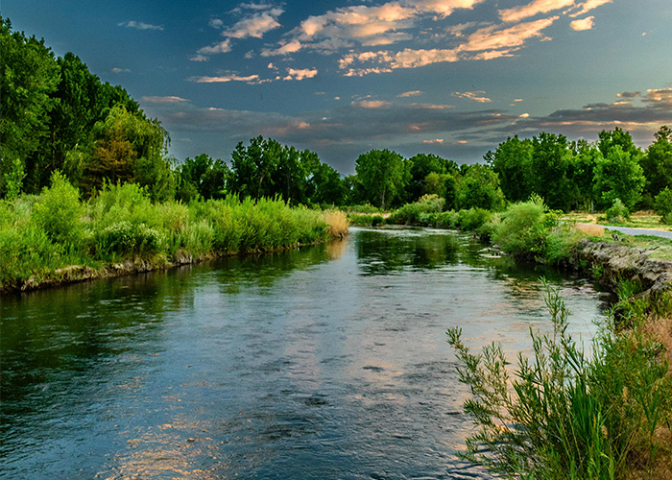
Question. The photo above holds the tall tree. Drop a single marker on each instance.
(29, 75)
(618, 175)
(422, 165)
(550, 164)
(657, 165)
(479, 188)
(382, 176)
(512, 162)
(608, 140)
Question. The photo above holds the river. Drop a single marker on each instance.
(324, 362)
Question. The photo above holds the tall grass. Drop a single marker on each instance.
(562, 414)
(56, 229)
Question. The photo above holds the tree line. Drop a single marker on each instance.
(58, 116)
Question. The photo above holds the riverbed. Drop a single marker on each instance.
(324, 362)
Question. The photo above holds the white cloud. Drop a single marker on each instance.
(216, 23)
(199, 58)
(169, 99)
(140, 25)
(120, 70)
(284, 49)
(413, 93)
(435, 140)
(221, 47)
(583, 24)
(372, 104)
(293, 74)
(255, 25)
(490, 38)
(475, 96)
(516, 14)
(588, 6)
(252, 79)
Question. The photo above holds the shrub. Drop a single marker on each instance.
(564, 415)
(473, 219)
(410, 213)
(663, 205)
(58, 211)
(618, 213)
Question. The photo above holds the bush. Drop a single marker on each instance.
(59, 213)
(410, 213)
(663, 205)
(564, 415)
(473, 219)
(618, 213)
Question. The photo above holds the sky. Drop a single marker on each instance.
(449, 77)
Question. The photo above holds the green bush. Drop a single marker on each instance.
(663, 205)
(59, 212)
(473, 219)
(618, 213)
(410, 213)
(563, 414)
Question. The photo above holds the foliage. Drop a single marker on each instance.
(29, 77)
(550, 170)
(202, 177)
(479, 188)
(657, 163)
(473, 218)
(512, 163)
(663, 205)
(410, 213)
(382, 176)
(563, 415)
(618, 175)
(618, 212)
(421, 166)
(58, 212)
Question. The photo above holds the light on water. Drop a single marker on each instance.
(328, 362)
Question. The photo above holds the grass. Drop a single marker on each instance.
(643, 219)
(563, 415)
(41, 234)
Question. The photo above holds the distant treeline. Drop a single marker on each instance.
(58, 116)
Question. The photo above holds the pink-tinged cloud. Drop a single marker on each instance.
(583, 24)
(661, 96)
(409, 58)
(293, 74)
(169, 99)
(521, 12)
(443, 8)
(255, 25)
(285, 49)
(221, 47)
(227, 78)
(491, 38)
(588, 6)
(475, 96)
(372, 104)
(413, 93)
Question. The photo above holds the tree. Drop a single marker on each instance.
(479, 188)
(128, 148)
(550, 165)
(618, 175)
(608, 140)
(382, 176)
(581, 174)
(202, 177)
(422, 165)
(29, 74)
(657, 164)
(512, 162)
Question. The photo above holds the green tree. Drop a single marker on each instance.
(619, 137)
(382, 176)
(128, 148)
(202, 177)
(422, 165)
(581, 174)
(479, 188)
(512, 162)
(618, 175)
(29, 74)
(550, 165)
(657, 164)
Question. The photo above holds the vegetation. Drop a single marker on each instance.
(43, 233)
(563, 414)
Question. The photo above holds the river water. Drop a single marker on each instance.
(322, 363)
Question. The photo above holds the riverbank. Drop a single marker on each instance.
(55, 238)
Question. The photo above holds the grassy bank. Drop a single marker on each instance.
(41, 235)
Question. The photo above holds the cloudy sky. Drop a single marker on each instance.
(450, 77)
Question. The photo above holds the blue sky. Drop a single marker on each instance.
(450, 77)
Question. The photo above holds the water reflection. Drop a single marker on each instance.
(322, 362)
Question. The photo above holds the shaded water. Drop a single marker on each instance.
(328, 362)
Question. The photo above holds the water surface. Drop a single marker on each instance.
(325, 362)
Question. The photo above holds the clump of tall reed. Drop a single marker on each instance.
(56, 229)
(563, 414)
